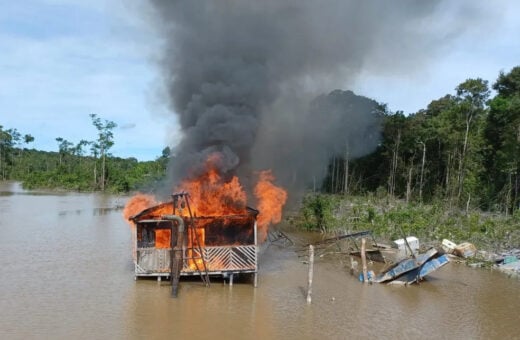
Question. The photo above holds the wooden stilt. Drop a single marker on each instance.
(177, 252)
(364, 260)
(177, 265)
(353, 266)
(311, 273)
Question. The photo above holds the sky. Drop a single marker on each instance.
(62, 60)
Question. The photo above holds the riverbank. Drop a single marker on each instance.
(496, 236)
(391, 218)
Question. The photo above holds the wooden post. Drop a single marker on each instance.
(311, 272)
(177, 261)
(177, 253)
(364, 260)
(353, 266)
(407, 244)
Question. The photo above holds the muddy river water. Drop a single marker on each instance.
(67, 273)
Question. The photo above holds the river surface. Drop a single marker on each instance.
(67, 273)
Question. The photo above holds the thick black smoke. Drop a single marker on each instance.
(339, 124)
(241, 75)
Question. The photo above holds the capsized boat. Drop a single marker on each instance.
(405, 266)
(418, 274)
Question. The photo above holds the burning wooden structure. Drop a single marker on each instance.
(169, 239)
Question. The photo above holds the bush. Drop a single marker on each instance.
(390, 219)
(318, 212)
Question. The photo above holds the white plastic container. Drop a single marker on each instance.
(403, 250)
(448, 246)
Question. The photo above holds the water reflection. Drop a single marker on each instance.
(93, 211)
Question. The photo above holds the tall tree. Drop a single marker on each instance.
(472, 95)
(392, 138)
(6, 144)
(104, 142)
(64, 148)
(28, 139)
(502, 135)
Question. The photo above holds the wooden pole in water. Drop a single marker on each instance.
(176, 255)
(364, 260)
(177, 261)
(353, 265)
(311, 272)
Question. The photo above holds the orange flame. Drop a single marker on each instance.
(138, 203)
(211, 195)
(271, 200)
(135, 205)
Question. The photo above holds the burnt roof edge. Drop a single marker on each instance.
(133, 218)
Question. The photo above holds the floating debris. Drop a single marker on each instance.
(510, 265)
(413, 269)
(410, 265)
(465, 250)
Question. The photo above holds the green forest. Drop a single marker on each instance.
(449, 171)
(462, 149)
(86, 165)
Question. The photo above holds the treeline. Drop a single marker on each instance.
(463, 149)
(85, 166)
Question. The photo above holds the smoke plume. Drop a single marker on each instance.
(242, 76)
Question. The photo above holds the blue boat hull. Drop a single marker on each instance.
(419, 273)
(406, 266)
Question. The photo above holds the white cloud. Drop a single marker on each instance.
(62, 60)
(50, 82)
(482, 49)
